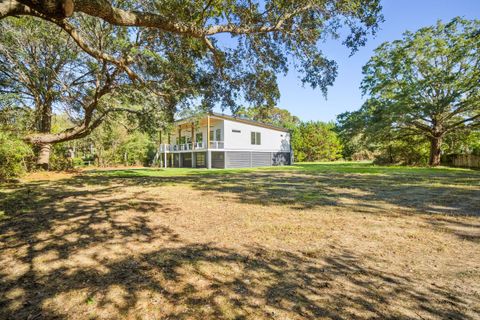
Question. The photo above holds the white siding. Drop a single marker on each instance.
(271, 140)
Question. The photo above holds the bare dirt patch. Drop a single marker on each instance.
(290, 244)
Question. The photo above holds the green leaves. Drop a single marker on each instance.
(13, 153)
(425, 85)
(316, 141)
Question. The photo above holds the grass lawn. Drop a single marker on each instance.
(311, 241)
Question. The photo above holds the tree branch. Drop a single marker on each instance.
(105, 10)
(121, 63)
(458, 123)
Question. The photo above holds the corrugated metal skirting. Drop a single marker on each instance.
(261, 159)
(247, 159)
(237, 159)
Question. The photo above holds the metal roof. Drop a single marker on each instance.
(241, 120)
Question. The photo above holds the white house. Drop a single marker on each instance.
(221, 141)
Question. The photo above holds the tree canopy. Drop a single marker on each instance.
(270, 115)
(263, 36)
(316, 141)
(159, 56)
(426, 85)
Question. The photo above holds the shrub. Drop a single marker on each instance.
(411, 152)
(13, 156)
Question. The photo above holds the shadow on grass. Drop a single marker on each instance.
(424, 190)
(74, 254)
(77, 253)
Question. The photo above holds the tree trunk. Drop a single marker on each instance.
(44, 126)
(435, 151)
(43, 158)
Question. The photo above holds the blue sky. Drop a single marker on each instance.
(345, 95)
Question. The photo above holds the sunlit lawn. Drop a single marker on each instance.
(310, 241)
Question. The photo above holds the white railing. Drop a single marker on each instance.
(216, 145)
(199, 145)
(164, 147)
(183, 147)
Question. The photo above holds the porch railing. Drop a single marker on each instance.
(199, 145)
(182, 147)
(217, 145)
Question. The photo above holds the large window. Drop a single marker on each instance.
(255, 138)
(216, 135)
(199, 137)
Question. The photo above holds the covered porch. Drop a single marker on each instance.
(193, 159)
(190, 143)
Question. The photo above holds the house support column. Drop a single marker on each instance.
(209, 159)
(180, 162)
(193, 137)
(208, 132)
(193, 160)
(165, 155)
(209, 153)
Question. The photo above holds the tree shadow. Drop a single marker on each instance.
(83, 248)
(353, 186)
(358, 188)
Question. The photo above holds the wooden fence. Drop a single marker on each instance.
(465, 161)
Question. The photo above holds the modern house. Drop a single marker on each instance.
(221, 141)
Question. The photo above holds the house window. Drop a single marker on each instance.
(255, 138)
(199, 137)
(216, 135)
(236, 131)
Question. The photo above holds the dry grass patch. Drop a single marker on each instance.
(294, 243)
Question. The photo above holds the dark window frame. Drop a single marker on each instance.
(255, 138)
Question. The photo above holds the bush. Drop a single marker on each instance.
(13, 156)
(411, 152)
(316, 141)
(77, 162)
(59, 162)
(363, 155)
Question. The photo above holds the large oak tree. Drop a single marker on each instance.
(426, 85)
(212, 52)
(43, 70)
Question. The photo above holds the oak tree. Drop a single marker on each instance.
(426, 85)
(215, 53)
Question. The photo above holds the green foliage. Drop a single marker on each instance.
(423, 87)
(316, 141)
(13, 156)
(462, 142)
(116, 142)
(179, 68)
(270, 115)
(136, 149)
(411, 151)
